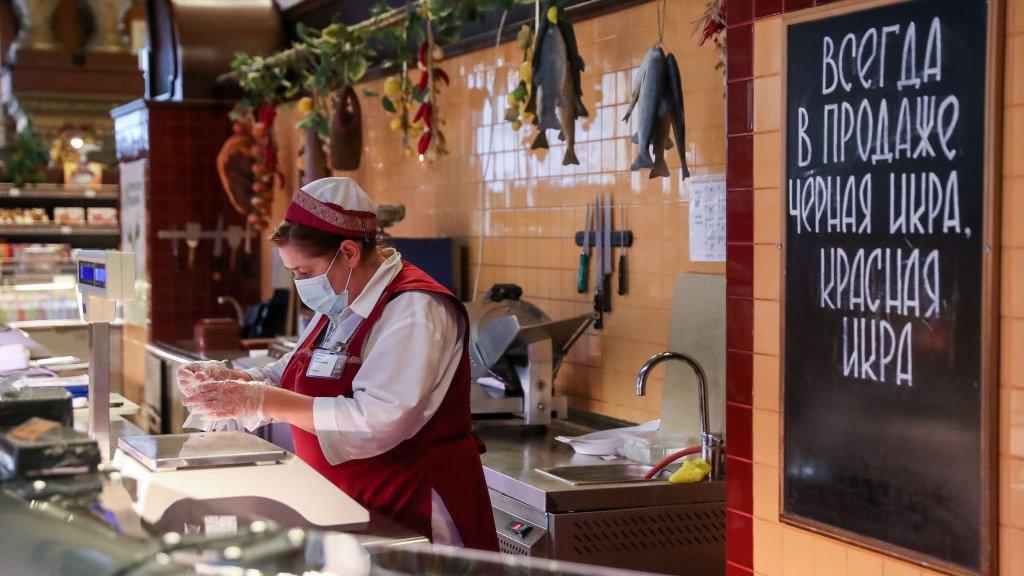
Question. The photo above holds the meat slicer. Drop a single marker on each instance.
(515, 352)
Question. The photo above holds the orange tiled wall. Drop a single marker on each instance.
(784, 550)
(526, 206)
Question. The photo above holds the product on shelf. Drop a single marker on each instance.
(101, 216)
(32, 261)
(23, 216)
(21, 251)
(69, 215)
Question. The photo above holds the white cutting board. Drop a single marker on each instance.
(697, 329)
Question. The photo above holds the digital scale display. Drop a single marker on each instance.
(92, 274)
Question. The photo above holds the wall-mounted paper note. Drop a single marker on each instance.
(707, 218)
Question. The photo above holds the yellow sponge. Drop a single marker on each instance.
(691, 471)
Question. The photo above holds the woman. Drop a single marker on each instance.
(377, 391)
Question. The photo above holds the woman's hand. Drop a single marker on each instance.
(191, 376)
(222, 399)
(251, 403)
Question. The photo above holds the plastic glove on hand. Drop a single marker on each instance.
(218, 400)
(691, 471)
(190, 376)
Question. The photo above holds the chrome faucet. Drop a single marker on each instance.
(711, 444)
(228, 300)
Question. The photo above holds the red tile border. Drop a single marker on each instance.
(739, 279)
(739, 113)
(793, 5)
(739, 378)
(740, 62)
(740, 486)
(766, 8)
(739, 270)
(739, 432)
(739, 535)
(739, 324)
(739, 11)
(739, 221)
(739, 161)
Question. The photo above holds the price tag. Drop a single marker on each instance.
(65, 230)
(14, 192)
(90, 193)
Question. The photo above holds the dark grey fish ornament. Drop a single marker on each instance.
(657, 100)
(646, 101)
(662, 141)
(675, 92)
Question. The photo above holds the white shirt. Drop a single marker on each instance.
(409, 359)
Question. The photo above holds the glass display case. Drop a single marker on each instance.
(37, 283)
(40, 226)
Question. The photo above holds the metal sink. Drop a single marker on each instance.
(606, 473)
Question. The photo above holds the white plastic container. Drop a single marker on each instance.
(651, 447)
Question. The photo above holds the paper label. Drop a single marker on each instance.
(707, 218)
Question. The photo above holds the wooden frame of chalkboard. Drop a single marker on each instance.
(987, 521)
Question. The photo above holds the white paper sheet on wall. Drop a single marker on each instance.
(707, 218)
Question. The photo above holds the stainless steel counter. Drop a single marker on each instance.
(514, 454)
(183, 351)
(681, 526)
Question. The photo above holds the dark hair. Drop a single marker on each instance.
(316, 243)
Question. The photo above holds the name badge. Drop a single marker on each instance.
(325, 364)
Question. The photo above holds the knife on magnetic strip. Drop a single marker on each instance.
(606, 254)
(583, 274)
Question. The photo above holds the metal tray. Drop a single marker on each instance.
(200, 450)
(605, 473)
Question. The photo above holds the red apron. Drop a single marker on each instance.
(443, 455)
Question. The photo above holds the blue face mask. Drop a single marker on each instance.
(316, 292)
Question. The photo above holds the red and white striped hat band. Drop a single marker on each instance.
(330, 217)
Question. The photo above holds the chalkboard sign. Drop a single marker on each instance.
(886, 193)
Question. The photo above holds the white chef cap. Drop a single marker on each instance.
(335, 204)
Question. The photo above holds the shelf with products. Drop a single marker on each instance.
(80, 216)
(98, 237)
(38, 258)
(104, 192)
(51, 229)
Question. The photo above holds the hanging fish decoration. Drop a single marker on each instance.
(675, 90)
(556, 95)
(646, 101)
(661, 141)
(657, 100)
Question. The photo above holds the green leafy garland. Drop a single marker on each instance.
(326, 61)
(26, 161)
(263, 83)
(337, 58)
